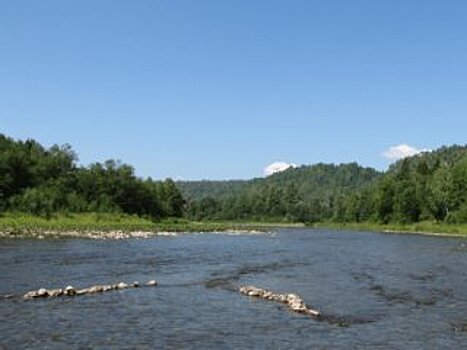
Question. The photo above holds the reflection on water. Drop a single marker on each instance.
(374, 291)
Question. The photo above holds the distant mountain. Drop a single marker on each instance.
(325, 179)
(302, 193)
(309, 179)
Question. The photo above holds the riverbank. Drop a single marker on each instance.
(115, 226)
(119, 226)
(422, 228)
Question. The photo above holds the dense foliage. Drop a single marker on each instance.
(429, 186)
(43, 181)
(303, 194)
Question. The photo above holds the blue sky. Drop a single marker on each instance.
(220, 89)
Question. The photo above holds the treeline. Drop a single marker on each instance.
(304, 194)
(43, 181)
(429, 186)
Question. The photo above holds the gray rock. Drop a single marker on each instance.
(30, 295)
(95, 289)
(43, 293)
(55, 292)
(69, 290)
(122, 285)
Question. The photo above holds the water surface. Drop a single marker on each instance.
(374, 291)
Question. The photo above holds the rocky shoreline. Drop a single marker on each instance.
(91, 234)
(112, 234)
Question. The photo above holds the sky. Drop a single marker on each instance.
(215, 89)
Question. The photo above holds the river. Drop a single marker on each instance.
(374, 290)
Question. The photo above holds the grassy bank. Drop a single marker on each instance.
(16, 224)
(424, 227)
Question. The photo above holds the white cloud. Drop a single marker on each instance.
(277, 167)
(402, 151)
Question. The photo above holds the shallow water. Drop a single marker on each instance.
(374, 291)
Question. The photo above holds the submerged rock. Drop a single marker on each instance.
(151, 283)
(70, 291)
(121, 285)
(42, 292)
(293, 301)
(55, 292)
(95, 289)
(7, 296)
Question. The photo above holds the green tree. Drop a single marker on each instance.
(441, 189)
(174, 203)
(385, 199)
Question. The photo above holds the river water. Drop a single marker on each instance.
(375, 291)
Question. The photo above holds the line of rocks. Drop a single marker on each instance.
(71, 291)
(293, 301)
(112, 234)
(88, 234)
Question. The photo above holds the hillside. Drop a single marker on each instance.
(428, 186)
(196, 190)
(297, 194)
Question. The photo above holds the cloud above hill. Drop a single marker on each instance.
(402, 151)
(277, 167)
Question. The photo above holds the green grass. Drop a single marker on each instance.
(23, 224)
(424, 227)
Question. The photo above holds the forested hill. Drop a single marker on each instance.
(196, 190)
(429, 186)
(309, 180)
(297, 194)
